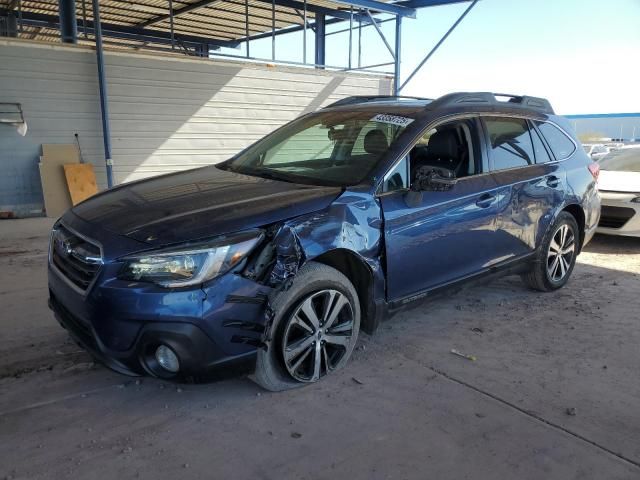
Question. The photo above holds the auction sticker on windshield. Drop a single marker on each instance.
(392, 119)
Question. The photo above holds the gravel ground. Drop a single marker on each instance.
(553, 392)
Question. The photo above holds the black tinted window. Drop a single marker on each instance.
(510, 142)
(560, 144)
(542, 156)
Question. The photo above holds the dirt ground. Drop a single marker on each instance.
(553, 394)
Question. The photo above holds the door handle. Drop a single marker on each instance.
(553, 181)
(485, 200)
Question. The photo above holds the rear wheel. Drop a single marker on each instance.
(556, 256)
(315, 328)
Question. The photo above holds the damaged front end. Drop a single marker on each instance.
(346, 236)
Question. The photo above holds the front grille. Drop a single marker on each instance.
(615, 217)
(77, 258)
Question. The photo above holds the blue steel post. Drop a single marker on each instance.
(396, 68)
(320, 40)
(68, 25)
(102, 85)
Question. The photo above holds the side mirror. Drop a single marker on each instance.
(434, 179)
(440, 183)
(429, 179)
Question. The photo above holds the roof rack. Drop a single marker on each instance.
(374, 98)
(495, 99)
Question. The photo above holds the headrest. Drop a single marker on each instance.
(443, 144)
(375, 142)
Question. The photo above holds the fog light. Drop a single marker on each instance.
(167, 359)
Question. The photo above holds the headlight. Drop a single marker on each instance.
(636, 200)
(190, 264)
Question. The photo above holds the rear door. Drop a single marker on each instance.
(529, 178)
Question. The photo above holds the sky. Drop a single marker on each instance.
(583, 55)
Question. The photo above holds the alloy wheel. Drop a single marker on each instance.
(561, 252)
(318, 335)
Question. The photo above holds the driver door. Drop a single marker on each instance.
(446, 235)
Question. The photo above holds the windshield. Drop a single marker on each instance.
(327, 148)
(623, 160)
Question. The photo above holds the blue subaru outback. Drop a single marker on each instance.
(276, 259)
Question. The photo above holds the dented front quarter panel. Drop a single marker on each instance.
(239, 310)
(352, 222)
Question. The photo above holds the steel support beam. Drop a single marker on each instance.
(440, 42)
(104, 102)
(296, 28)
(129, 33)
(10, 24)
(398, 56)
(68, 23)
(328, 12)
(384, 39)
(295, 4)
(177, 12)
(428, 3)
(392, 8)
(320, 58)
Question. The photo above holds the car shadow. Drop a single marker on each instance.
(612, 244)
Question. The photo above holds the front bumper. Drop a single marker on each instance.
(214, 329)
(620, 216)
(198, 354)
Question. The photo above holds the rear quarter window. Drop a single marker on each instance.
(561, 145)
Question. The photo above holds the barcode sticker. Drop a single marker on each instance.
(392, 119)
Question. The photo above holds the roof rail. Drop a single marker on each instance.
(488, 98)
(373, 98)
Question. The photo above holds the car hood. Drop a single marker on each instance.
(200, 203)
(627, 182)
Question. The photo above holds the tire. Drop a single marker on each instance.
(315, 289)
(550, 270)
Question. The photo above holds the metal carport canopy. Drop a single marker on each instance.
(214, 23)
(200, 26)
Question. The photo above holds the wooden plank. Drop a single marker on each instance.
(54, 184)
(81, 180)
(60, 154)
(56, 196)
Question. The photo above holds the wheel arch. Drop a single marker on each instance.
(578, 213)
(360, 274)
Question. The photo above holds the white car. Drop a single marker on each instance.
(619, 185)
(597, 151)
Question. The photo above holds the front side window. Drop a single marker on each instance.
(561, 145)
(326, 148)
(509, 142)
(451, 147)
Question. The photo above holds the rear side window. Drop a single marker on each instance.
(561, 145)
(509, 142)
(542, 156)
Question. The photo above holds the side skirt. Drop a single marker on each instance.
(510, 267)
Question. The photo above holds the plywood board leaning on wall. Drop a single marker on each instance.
(81, 180)
(54, 184)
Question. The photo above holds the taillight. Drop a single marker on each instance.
(594, 168)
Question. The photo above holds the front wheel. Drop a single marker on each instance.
(556, 256)
(315, 329)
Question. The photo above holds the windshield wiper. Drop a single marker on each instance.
(281, 176)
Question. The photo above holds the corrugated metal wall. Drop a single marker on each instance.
(166, 113)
